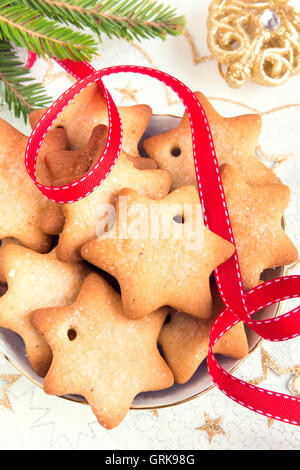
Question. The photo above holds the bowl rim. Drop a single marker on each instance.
(73, 399)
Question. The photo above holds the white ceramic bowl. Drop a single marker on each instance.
(12, 346)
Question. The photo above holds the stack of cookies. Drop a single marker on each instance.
(113, 295)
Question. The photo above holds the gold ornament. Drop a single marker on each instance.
(255, 40)
(212, 427)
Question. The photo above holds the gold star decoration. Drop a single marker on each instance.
(50, 76)
(155, 413)
(268, 363)
(212, 427)
(128, 93)
(9, 381)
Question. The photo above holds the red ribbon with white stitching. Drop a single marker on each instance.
(240, 306)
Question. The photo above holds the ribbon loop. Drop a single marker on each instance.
(90, 181)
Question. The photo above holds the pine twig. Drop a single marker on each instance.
(21, 92)
(48, 27)
(127, 19)
(27, 28)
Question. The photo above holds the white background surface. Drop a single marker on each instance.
(43, 422)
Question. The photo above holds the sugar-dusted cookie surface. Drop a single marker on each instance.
(157, 259)
(235, 139)
(184, 341)
(88, 109)
(35, 281)
(82, 218)
(256, 213)
(101, 354)
(21, 202)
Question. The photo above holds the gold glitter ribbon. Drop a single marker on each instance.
(255, 40)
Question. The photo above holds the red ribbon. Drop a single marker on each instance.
(31, 59)
(240, 306)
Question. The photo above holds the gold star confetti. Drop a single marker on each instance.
(50, 76)
(268, 364)
(212, 427)
(155, 413)
(9, 381)
(128, 93)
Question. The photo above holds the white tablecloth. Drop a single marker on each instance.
(28, 418)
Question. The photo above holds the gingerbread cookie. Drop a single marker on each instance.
(184, 341)
(234, 139)
(88, 109)
(35, 281)
(100, 354)
(4, 242)
(256, 216)
(64, 167)
(21, 202)
(52, 219)
(66, 164)
(82, 218)
(167, 262)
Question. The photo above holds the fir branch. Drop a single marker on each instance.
(122, 18)
(21, 92)
(26, 28)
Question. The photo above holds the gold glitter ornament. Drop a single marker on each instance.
(255, 40)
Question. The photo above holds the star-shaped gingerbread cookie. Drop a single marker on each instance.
(235, 139)
(83, 218)
(34, 281)
(21, 202)
(88, 109)
(161, 253)
(65, 166)
(184, 341)
(256, 213)
(100, 354)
